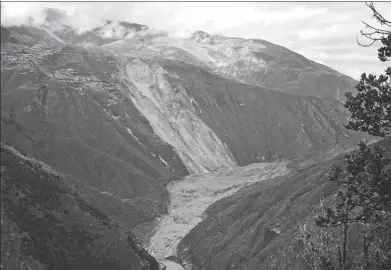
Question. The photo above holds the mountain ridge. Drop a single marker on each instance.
(248, 68)
(126, 112)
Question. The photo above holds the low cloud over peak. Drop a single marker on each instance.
(323, 32)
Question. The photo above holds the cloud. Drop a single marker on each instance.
(321, 31)
(203, 15)
(309, 34)
(300, 13)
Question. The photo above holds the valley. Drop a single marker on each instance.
(191, 196)
(162, 152)
(194, 196)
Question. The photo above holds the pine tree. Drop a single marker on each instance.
(371, 107)
(364, 195)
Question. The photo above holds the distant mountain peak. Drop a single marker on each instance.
(251, 61)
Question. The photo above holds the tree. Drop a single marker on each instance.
(371, 107)
(364, 195)
(371, 112)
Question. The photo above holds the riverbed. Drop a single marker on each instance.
(193, 194)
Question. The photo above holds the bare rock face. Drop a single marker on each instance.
(171, 112)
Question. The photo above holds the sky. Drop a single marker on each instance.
(325, 32)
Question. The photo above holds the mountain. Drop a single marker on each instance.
(259, 224)
(244, 122)
(46, 224)
(251, 61)
(121, 110)
(79, 122)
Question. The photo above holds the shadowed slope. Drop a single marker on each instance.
(46, 224)
(257, 226)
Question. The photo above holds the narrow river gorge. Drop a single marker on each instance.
(193, 194)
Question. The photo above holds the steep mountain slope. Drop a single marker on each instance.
(258, 62)
(251, 61)
(46, 224)
(61, 107)
(122, 110)
(258, 225)
(254, 122)
(251, 121)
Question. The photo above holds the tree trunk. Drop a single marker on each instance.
(345, 242)
(366, 243)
